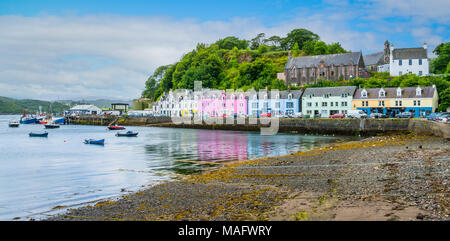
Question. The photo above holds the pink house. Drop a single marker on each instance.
(215, 103)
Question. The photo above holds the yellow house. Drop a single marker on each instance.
(421, 101)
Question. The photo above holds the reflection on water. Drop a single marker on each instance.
(38, 174)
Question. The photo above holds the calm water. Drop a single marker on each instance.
(38, 174)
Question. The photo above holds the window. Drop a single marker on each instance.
(399, 92)
(420, 61)
(381, 103)
(420, 73)
(289, 105)
(382, 93)
(317, 104)
(418, 103)
(400, 73)
(410, 62)
(362, 103)
(344, 103)
(277, 105)
(418, 91)
(254, 105)
(308, 112)
(400, 62)
(337, 103)
(415, 103)
(331, 103)
(364, 93)
(309, 104)
(324, 104)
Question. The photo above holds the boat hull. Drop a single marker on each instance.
(28, 121)
(95, 142)
(51, 126)
(116, 128)
(127, 135)
(38, 134)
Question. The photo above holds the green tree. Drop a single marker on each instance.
(299, 36)
(320, 48)
(257, 41)
(231, 42)
(439, 64)
(336, 48)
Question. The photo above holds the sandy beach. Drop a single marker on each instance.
(396, 177)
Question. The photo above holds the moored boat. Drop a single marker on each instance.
(51, 126)
(116, 127)
(45, 134)
(128, 133)
(27, 120)
(13, 124)
(93, 141)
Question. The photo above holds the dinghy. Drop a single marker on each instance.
(93, 141)
(45, 134)
(128, 133)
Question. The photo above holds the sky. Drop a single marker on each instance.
(54, 50)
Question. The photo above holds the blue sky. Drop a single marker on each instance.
(85, 47)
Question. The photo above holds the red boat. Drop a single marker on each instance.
(116, 127)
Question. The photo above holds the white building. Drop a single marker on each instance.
(84, 110)
(409, 61)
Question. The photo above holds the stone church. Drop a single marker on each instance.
(305, 70)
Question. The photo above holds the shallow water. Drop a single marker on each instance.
(38, 173)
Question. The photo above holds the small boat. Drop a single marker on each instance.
(93, 141)
(45, 134)
(51, 126)
(13, 124)
(116, 127)
(128, 133)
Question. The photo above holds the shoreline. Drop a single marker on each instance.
(342, 181)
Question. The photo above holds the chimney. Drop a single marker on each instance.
(425, 45)
(391, 54)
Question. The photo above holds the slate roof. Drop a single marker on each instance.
(335, 59)
(372, 59)
(407, 92)
(410, 53)
(332, 91)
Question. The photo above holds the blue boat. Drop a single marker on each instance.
(58, 120)
(28, 120)
(45, 134)
(96, 142)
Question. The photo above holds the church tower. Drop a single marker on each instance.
(387, 52)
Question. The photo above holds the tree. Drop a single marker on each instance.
(320, 48)
(231, 42)
(299, 36)
(256, 41)
(336, 48)
(274, 41)
(439, 64)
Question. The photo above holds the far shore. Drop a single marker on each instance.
(390, 177)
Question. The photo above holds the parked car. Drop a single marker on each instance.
(439, 115)
(405, 114)
(444, 118)
(337, 116)
(356, 114)
(266, 115)
(431, 116)
(298, 115)
(378, 115)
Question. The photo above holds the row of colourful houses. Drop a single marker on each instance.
(314, 102)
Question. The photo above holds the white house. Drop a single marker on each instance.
(409, 60)
(84, 110)
(327, 101)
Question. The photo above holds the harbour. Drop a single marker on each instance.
(61, 172)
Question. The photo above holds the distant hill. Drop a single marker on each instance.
(15, 106)
(101, 103)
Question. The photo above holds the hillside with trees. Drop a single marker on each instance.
(233, 63)
(14, 106)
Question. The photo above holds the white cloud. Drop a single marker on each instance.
(109, 56)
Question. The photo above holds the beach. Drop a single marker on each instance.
(392, 177)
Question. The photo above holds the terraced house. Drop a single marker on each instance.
(300, 71)
(275, 103)
(421, 101)
(323, 102)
